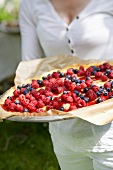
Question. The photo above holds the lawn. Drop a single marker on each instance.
(26, 146)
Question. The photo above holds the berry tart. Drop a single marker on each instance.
(60, 92)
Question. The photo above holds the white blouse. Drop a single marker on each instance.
(88, 36)
(44, 33)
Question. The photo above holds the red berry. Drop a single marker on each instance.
(98, 74)
(39, 110)
(104, 78)
(55, 75)
(16, 92)
(107, 85)
(70, 71)
(12, 106)
(31, 107)
(34, 84)
(91, 94)
(40, 104)
(7, 101)
(19, 108)
(24, 102)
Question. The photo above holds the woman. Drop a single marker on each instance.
(81, 28)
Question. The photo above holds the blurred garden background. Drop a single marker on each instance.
(23, 146)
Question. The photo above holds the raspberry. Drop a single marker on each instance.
(102, 68)
(104, 78)
(19, 108)
(16, 93)
(7, 101)
(47, 100)
(70, 71)
(83, 85)
(74, 96)
(56, 104)
(52, 80)
(98, 74)
(87, 73)
(78, 87)
(55, 75)
(39, 110)
(25, 102)
(28, 96)
(81, 73)
(22, 97)
(42, 97)
(12, 106)
(106, 65)
(49, 107)
(34, 102)
(45, 82)
(91, 94)
(73, 107)
(110, 75)
(89, 82)
(40, 104)
(82, 68)
(41, 91)
(35, 84)
(81, 103)
(95, 88)
(22, 90)
(60, 82)
(31, 107)
(107, 85)
(48, 93)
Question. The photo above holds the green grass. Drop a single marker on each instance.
(26, 146)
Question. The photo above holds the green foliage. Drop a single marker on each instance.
(26, 146)
(8, 16)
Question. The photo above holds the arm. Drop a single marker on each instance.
(31, 48)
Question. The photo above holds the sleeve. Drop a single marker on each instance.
(30, 45)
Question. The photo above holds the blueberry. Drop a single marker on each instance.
(82, 81)
(24, 85)
(108, 71)
(25, 92)
(75, 71)
(93, 72)
(68, 77)
(105, 93)
(91, 85)
(108, 89)
(88, 78)
(98, 69)
(26, 110)
(99, 100)
(73, 79)
(76, 92)
(101, 89)
(9, 97)
(40, 82)
(111, 96)
(44, 78)
(65, 92)
(85, 89)
(77, 81)
(17, 102)
(98, 93)
(62, 74)
(94, 67)
(86, 99)
(19, 87)
(81, 96)
(49, 97)
(61, 108)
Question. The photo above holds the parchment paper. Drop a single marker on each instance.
(98, 114)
